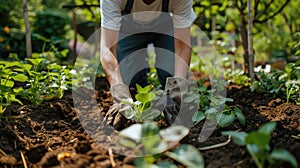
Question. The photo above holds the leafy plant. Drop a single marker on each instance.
(269, 83)
(291, 76)
(213, 106)
(151, 144)
(7, 78)
(37, 85)
(257, 144)
(45, 84)
(293, 90)
(236, 76)
(60, 80)
(143, 105)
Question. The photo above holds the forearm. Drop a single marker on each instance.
(182, 51)
(109, 39)
(111, 67)
(182, 60)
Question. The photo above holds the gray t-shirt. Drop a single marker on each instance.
(181, 12)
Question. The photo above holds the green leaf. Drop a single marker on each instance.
(187, 155)
(145, 97)
(143, 90)
(198, 116)
(174, 133)
(211, 111)
(226, 119)
(133, 132)
(267, 128)
(20, 78)
(36, 61)
(282, 154)
(128, 143)
(189, 99)
(8, 83)
(150, 114)
(240, 115)
(27, 67)
(238, 137)
(166, 164)
(149, 129)
(54, 66)
(259, 139)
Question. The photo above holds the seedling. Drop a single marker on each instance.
(291, 76)
(151, 145)
(212, 106)
(257, 144)
(143, 110)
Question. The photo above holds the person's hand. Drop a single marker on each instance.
(176, 110)
(115, 114)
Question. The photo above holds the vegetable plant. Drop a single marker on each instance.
(7, 77)
(269, 83)
(36, 93)
(143, 105)
(59, 78)
(212, 105)
(291, 76)
(151, 145)
(257, 144)
(236, 76)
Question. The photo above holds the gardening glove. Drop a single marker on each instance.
(115, 114)
(177, 110)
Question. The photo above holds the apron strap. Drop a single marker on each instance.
(128, 7)
(165, 6)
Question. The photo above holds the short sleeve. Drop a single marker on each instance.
(183, 13)
(111, 14)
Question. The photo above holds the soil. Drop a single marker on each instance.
(51, 135)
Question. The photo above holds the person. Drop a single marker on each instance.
(127, 28)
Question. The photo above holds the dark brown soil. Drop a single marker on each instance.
(51, 135)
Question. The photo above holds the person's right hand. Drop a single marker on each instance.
(115, 114)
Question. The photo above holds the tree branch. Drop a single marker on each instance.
(273, 15)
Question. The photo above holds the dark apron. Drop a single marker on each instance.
(132, 46)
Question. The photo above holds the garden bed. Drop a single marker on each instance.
(51, 135)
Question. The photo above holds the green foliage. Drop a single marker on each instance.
(269, 83)
(151, 145)
(236, 76)
(50, 23)
(143, 110)
(7, 77)
(257, 144)
(291, 76)
(212, 105)
(45, 83)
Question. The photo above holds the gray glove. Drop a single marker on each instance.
(177, 111)
(115, 114)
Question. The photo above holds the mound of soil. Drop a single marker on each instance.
(55, 134)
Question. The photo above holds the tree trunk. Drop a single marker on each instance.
(27, 27)
(250, 42)
(244, 36)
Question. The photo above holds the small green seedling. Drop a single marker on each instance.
(143, 110)
(293, 91)
(211, 105)
(257, 144)
(150, 145)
